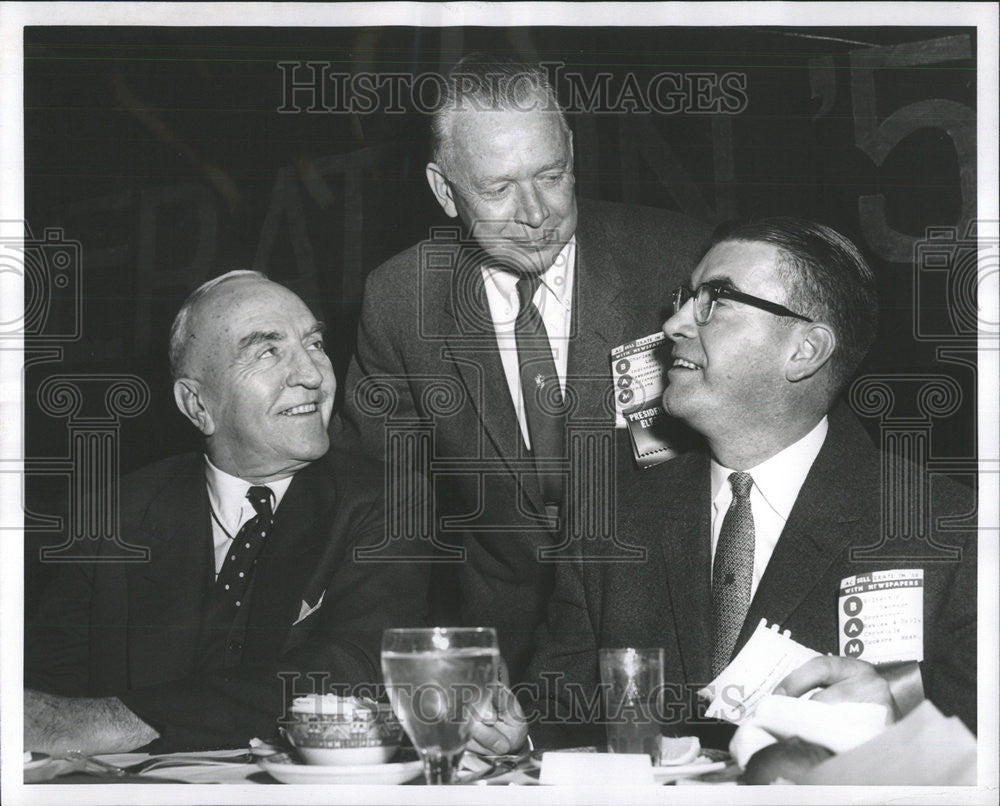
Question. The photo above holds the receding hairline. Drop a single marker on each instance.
(447, 118)
(180, 330)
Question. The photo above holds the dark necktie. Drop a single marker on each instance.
(544, 409)
(234, 576)
(732, 572)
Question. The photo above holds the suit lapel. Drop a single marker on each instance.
(471, 346)
(281, 580)
(687, 559)
(815, 535)
(598, 322)
(165, 594)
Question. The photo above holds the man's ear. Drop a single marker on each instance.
(441, 188)
(813, 351)
(188, 396)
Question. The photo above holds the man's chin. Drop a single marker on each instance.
(319, 448)
(674, 404)
(312, 448)
(524, 259)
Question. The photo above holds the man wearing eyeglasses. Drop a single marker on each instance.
(777, 511)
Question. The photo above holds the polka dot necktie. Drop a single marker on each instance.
(732, 572)
(544, 409)
(234, 576)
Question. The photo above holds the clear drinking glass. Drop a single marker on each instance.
(438, 679)
(632, 680)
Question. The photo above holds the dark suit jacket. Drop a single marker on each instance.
(426, 334)
(665, 601)
(131, 629)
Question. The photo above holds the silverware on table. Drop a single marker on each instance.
(82, 760)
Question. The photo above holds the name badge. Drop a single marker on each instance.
(881, 616)
(639, 369)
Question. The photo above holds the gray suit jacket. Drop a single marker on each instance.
(665, 600)
(428, 370)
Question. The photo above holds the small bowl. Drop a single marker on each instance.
(366, 735)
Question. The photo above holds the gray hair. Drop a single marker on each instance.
(484, 81)
(180, 331)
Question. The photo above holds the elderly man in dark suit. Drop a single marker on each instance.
(266, 554)
(781, 507)
(494, 338)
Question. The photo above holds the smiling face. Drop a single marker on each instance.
(261, 385)
(510, 179)
(728, 377)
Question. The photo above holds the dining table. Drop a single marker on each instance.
(481, 778)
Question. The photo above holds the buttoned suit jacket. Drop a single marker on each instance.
(131, 629)
(427, 361)
(833, 532)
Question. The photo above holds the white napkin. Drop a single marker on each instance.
(595, 769)
(923, 749)
(837, 726)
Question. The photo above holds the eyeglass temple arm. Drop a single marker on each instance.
(763, 304)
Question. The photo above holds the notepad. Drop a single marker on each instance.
(764, 661)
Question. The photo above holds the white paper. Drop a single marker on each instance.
(765, 660)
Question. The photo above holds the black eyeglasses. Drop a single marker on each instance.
(707, 294)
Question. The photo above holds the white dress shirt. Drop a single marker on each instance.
(554, 300)
(227, 495)
(776, 485)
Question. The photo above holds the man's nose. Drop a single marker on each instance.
(304, 370)
(531, 209)
(681, 325)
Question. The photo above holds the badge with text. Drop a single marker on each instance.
(639, 369)
(881, 616)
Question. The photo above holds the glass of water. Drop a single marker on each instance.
(632, 680)
(438, 680)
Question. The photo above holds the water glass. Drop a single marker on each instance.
(632, 682)
(438, 680)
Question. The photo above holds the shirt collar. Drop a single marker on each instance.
(557, 278)
(779, 478)
(228, 494)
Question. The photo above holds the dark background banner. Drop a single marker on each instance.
(156, 158)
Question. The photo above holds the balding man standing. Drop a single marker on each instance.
(514, 314)
(253, 566)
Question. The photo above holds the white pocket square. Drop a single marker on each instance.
(307, 610)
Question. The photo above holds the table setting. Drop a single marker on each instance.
(439, 680)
